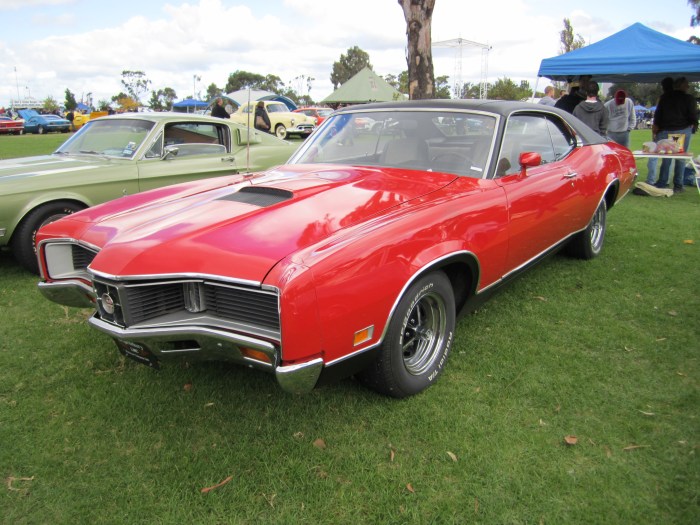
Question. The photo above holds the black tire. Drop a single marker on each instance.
(418, 341)
(23, 247)
(281, 131)
(589, 243)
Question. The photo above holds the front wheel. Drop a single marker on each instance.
(281, 131)
(24, 236)
(418, 340)
(589, 243)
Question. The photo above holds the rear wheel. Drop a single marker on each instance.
(281, 131)
(418, 341)
(589, 243)
(23, 238)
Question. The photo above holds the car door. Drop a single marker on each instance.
(185, 151)
(543, 200)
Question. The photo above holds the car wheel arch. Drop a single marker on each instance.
(462, 270)
(48, 199)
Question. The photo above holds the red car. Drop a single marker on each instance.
(354, 258)
(320, 114)
(11, 126)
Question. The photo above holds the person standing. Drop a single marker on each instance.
(218, 110)
(262, 120)
(677, 113)
(622, 118)
(652, 163)
(548, 99)
(591, 111)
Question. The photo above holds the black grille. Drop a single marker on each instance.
(82, 257)
(147, 302)
(140, 303)
(242, 305)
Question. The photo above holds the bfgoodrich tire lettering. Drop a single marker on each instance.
(24, 235)
(418, 340)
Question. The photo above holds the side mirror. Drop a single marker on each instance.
(529, 159)
(170, 151)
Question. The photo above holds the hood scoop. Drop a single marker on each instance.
(259, 196)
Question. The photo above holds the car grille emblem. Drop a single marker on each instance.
(107, 303)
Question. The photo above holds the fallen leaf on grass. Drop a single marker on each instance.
(9, 480)
(410, 488)
(476, 505)
(392, 455)
(452, 456)
(635, 447)
(540, 298)
(647, 413)
(319, 443)
(187, 387)
(207, 405)
(209, 489)
(681, 374)
(689, 241)
(672, 313)
(570, 440)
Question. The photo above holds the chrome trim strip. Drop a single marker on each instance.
(185, 275)
(356, 352)
(69, 293)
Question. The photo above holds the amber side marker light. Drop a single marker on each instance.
(363, 335)
(255, 355)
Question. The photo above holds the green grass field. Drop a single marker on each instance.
(605, 351)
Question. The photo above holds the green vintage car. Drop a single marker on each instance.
(120, 155)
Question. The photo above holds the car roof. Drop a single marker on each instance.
(499, 107)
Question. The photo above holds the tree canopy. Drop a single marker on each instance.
(349, 65)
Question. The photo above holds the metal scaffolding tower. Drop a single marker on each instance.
(460, 44)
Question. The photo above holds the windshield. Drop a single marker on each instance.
(446, 141)
(112, 137)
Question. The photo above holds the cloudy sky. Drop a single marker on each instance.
(47, 46)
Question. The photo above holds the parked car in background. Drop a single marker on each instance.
(80, 119)
(10, 126)
(283, 122)
(320, 114)
(354, 258)
(121, 155)
(35, 122)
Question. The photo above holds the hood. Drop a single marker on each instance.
(591, 107)
(244, 229)
(19, 170)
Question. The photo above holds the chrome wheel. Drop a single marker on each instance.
(423, 333)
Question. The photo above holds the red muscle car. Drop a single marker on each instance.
(357, 256)
(11, 126)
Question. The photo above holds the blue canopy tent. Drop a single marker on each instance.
(190, 105)
(635, 54)
(82, 107)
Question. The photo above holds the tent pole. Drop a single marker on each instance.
(534, 90)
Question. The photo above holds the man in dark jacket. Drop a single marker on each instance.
(218, 110)
(592, 111)
(676, 114)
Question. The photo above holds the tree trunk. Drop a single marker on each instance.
(419, 54)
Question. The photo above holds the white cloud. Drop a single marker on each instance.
(213, 38)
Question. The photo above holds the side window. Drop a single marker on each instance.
(156, 150)
(524, 133)
(197, 138)
(563, 139)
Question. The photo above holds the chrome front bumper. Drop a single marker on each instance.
(211, 344)
(69, 293)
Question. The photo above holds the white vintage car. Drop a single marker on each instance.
(283, 121)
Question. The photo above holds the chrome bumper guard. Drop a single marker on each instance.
(69, 293)
(209, 343)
